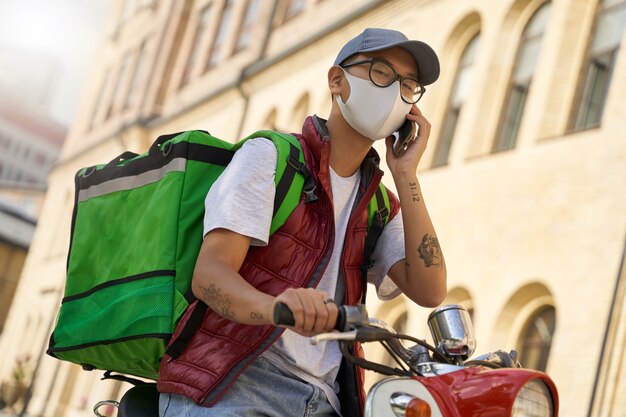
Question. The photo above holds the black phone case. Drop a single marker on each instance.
(406, 134)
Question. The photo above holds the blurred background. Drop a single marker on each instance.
(524, 175)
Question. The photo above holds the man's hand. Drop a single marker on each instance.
(311, 310)
(407, 163)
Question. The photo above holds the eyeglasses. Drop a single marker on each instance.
(383, 75)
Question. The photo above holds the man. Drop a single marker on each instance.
(239, 362)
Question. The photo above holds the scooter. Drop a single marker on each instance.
(429, 381)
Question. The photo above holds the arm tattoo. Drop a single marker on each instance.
(218, 302)
(430, 251)
(256, 316)
(416, 196)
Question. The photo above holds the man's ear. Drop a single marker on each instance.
(335, 77)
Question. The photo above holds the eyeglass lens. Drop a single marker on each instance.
(383, 75)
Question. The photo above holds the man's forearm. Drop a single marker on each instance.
(230, 296)
(425, 269)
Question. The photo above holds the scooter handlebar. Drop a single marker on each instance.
(284, 317)
(347, 316)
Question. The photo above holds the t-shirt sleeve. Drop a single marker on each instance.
(242, 198)
(389, 250)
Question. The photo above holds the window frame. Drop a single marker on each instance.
(201, 25)
(582, 93)
(246, 25)
(507, 138)
(441, 154)
(217, 51)
(526, 342)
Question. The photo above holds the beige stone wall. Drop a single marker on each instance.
(11, 262)
(541, 224)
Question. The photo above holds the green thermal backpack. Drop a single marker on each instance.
(136, 232)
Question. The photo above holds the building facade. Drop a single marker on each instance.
(31, 144)
(524, 175)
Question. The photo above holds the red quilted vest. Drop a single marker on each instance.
(296, 256)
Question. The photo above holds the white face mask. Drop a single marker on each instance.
(373, 111)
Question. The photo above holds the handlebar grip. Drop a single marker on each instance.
(283, 316)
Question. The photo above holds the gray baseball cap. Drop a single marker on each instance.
(376, 39)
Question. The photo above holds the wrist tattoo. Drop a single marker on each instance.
(256, 316)
(218, 302)
(430, 251)
(414, 193)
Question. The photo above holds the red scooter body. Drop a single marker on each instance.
(482, 391)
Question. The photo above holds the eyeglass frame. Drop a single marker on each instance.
(398, 77)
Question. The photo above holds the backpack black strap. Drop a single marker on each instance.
(294, 166)
(373, 233)
(176, 348)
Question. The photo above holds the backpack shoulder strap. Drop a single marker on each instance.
(379, 211)
(289, 186)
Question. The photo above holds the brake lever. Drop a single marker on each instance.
(323, 337)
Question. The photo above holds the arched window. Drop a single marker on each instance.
(460, 91)
(292, 8)
(270, 120)
(400, 324)
(138, 74)
(522, 75)
(244, 35)
(218, 49)
(300, 111)
(201, 31)
(99, 104)
(462, 297)
(602, 54)
(536, 339)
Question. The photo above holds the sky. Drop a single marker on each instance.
(66, 31)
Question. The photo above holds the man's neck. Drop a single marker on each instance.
(347, 147)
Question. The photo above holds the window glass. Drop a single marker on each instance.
(527, 60)
(536, 339)
(594, 87)
(294, 7)
(119, 83)
(100, 101)
(523, 70)
(201, 31)
(465, 74)
(609, 29)
(137, 76)
(217, 50)
(270, 121)
(460, 91)
(300, 111)
(538, 22)
(247, 23)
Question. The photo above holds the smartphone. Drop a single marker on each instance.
(403, 137)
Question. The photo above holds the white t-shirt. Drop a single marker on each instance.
(242, 199)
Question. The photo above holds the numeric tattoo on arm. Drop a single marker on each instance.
(415, 195)
(218, 302)
(430, 251)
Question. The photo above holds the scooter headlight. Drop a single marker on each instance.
(533, 400)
